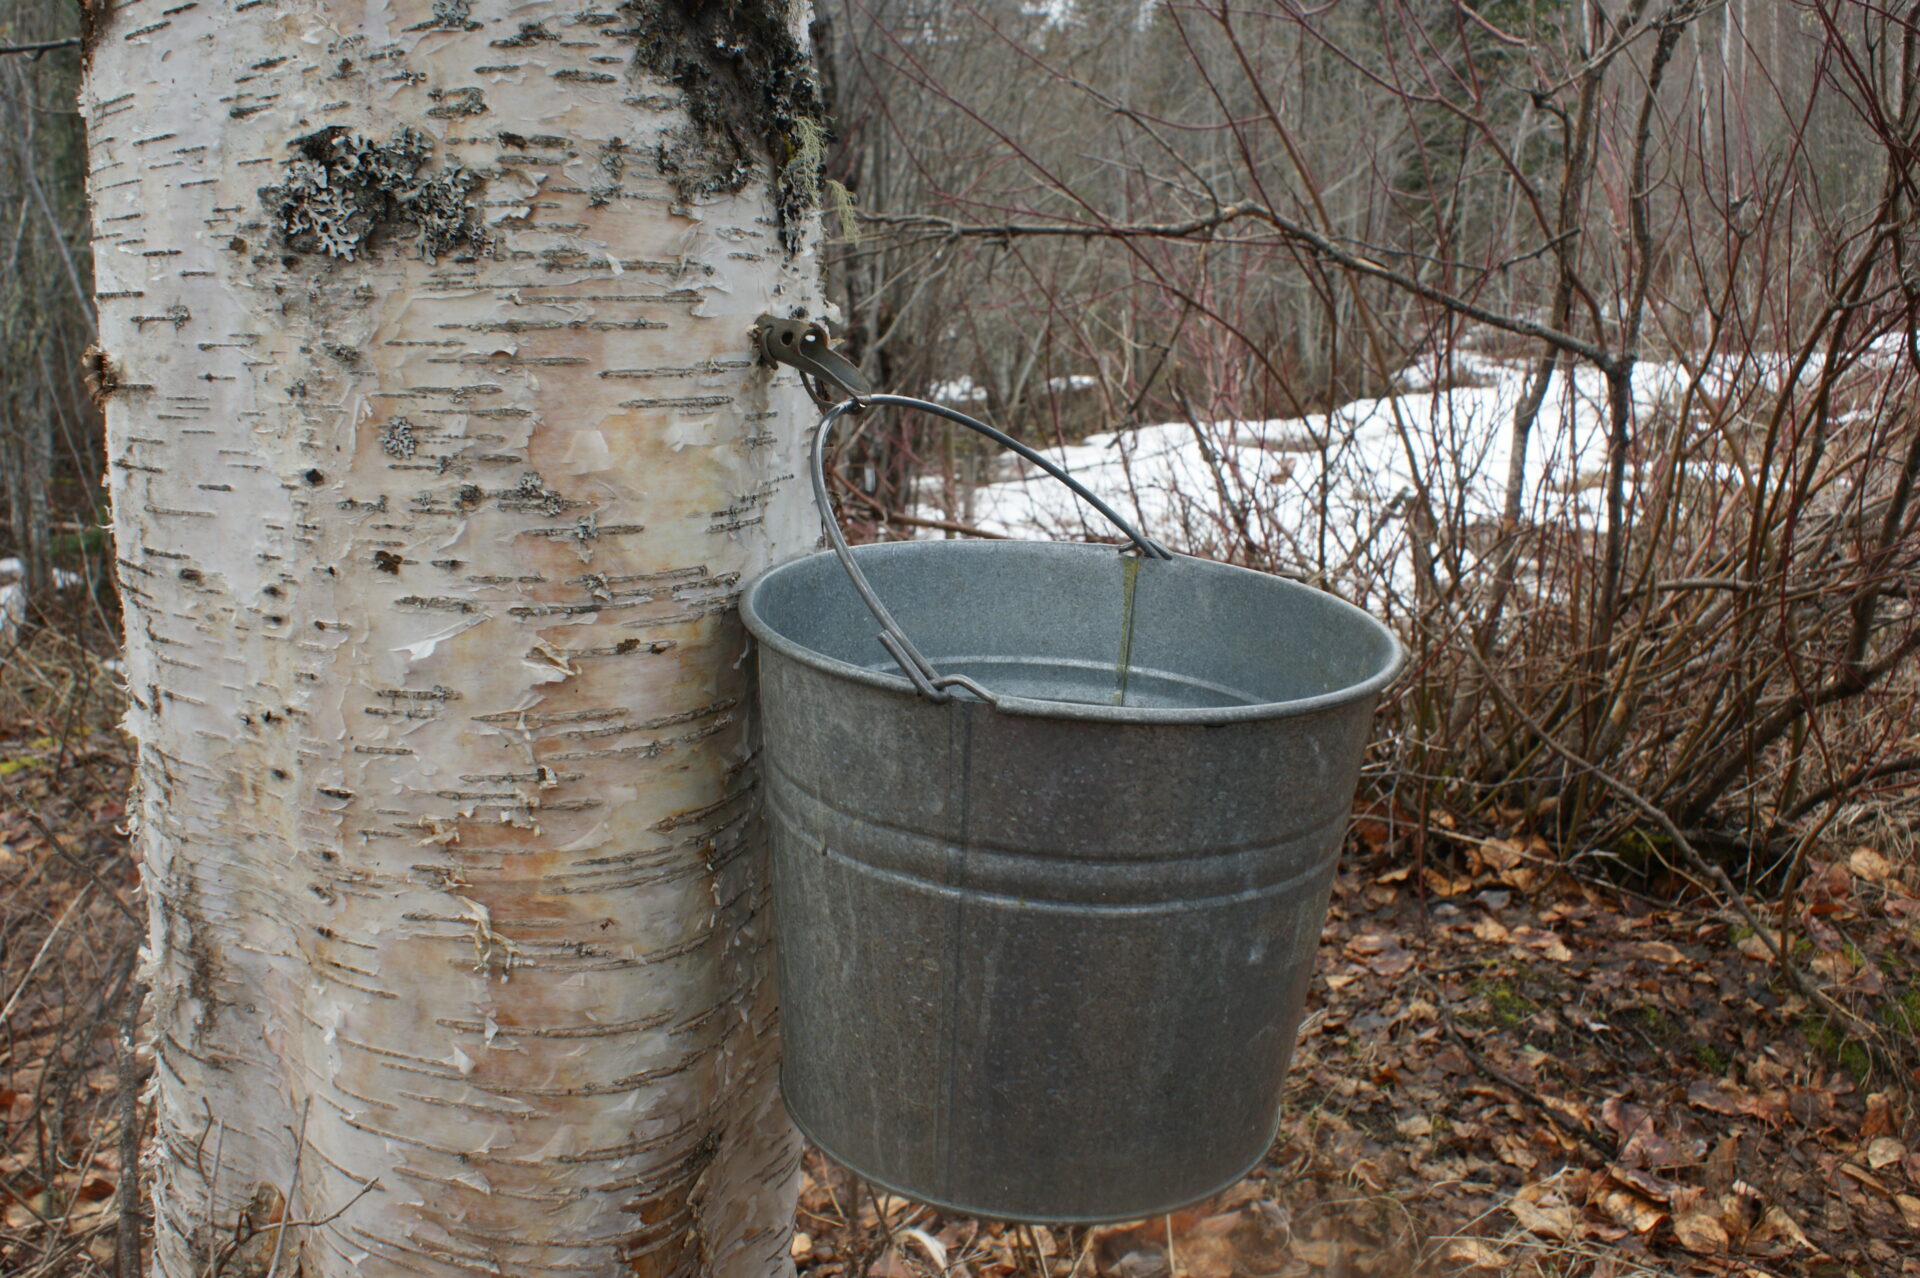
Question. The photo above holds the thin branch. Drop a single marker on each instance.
(293, 1187)
(1857, 777)
(128, 1230)
(336, 1213)
(327, 1219)
(37, 51)
(1290, 230)
(1504, 37)
(25, 147)
(947, 228)
(942, 525)
(885, 515)
(1587, 1135)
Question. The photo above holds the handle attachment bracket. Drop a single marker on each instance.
(803, 344)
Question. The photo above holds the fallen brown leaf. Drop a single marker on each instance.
(891, 1265)
(1320, 1253)
(1640, 1144)
(1723, 1165)
(1884, 1150)
(1865, 1177)
(1654, 1187)
(1870, 865)
(1368, 1173)
(1251, 1239)
(1832, 882)
(1475, 1252)
(1500, 854)
(1547, 944)
(1879, 1117)
(1628, 1208)
(1700, 1232)
(1722, 1096)
(1548, 1218)
(1522, 877)
(1490, 930)
(1777, 1224)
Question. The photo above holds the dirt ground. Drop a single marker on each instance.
(1504, 1069)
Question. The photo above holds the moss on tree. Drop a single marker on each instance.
(749, 88)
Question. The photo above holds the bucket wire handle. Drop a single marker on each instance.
(929, 682)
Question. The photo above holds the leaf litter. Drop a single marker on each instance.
(65, 961)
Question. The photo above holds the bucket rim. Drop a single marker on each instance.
(765, 633)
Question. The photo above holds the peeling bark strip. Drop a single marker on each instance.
(445, 798)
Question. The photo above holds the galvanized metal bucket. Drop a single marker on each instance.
(1051, 856)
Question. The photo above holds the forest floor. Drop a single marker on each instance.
(1504, 1069)
(68, 932)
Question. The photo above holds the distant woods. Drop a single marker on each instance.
(51, 502)
(1088, 215)
(1094, 214)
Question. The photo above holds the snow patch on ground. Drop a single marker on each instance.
(961, 390)
(13, 593)
(1331, 487)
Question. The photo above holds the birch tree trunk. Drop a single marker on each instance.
(437, 457)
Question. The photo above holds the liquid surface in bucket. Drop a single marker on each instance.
(1085, 626)
(1085, 683)
(1118, 683)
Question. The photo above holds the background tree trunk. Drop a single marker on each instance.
(45, 312)
(437, 458)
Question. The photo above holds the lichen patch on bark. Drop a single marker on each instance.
(342, 193)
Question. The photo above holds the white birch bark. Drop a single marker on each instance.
(445, 797)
